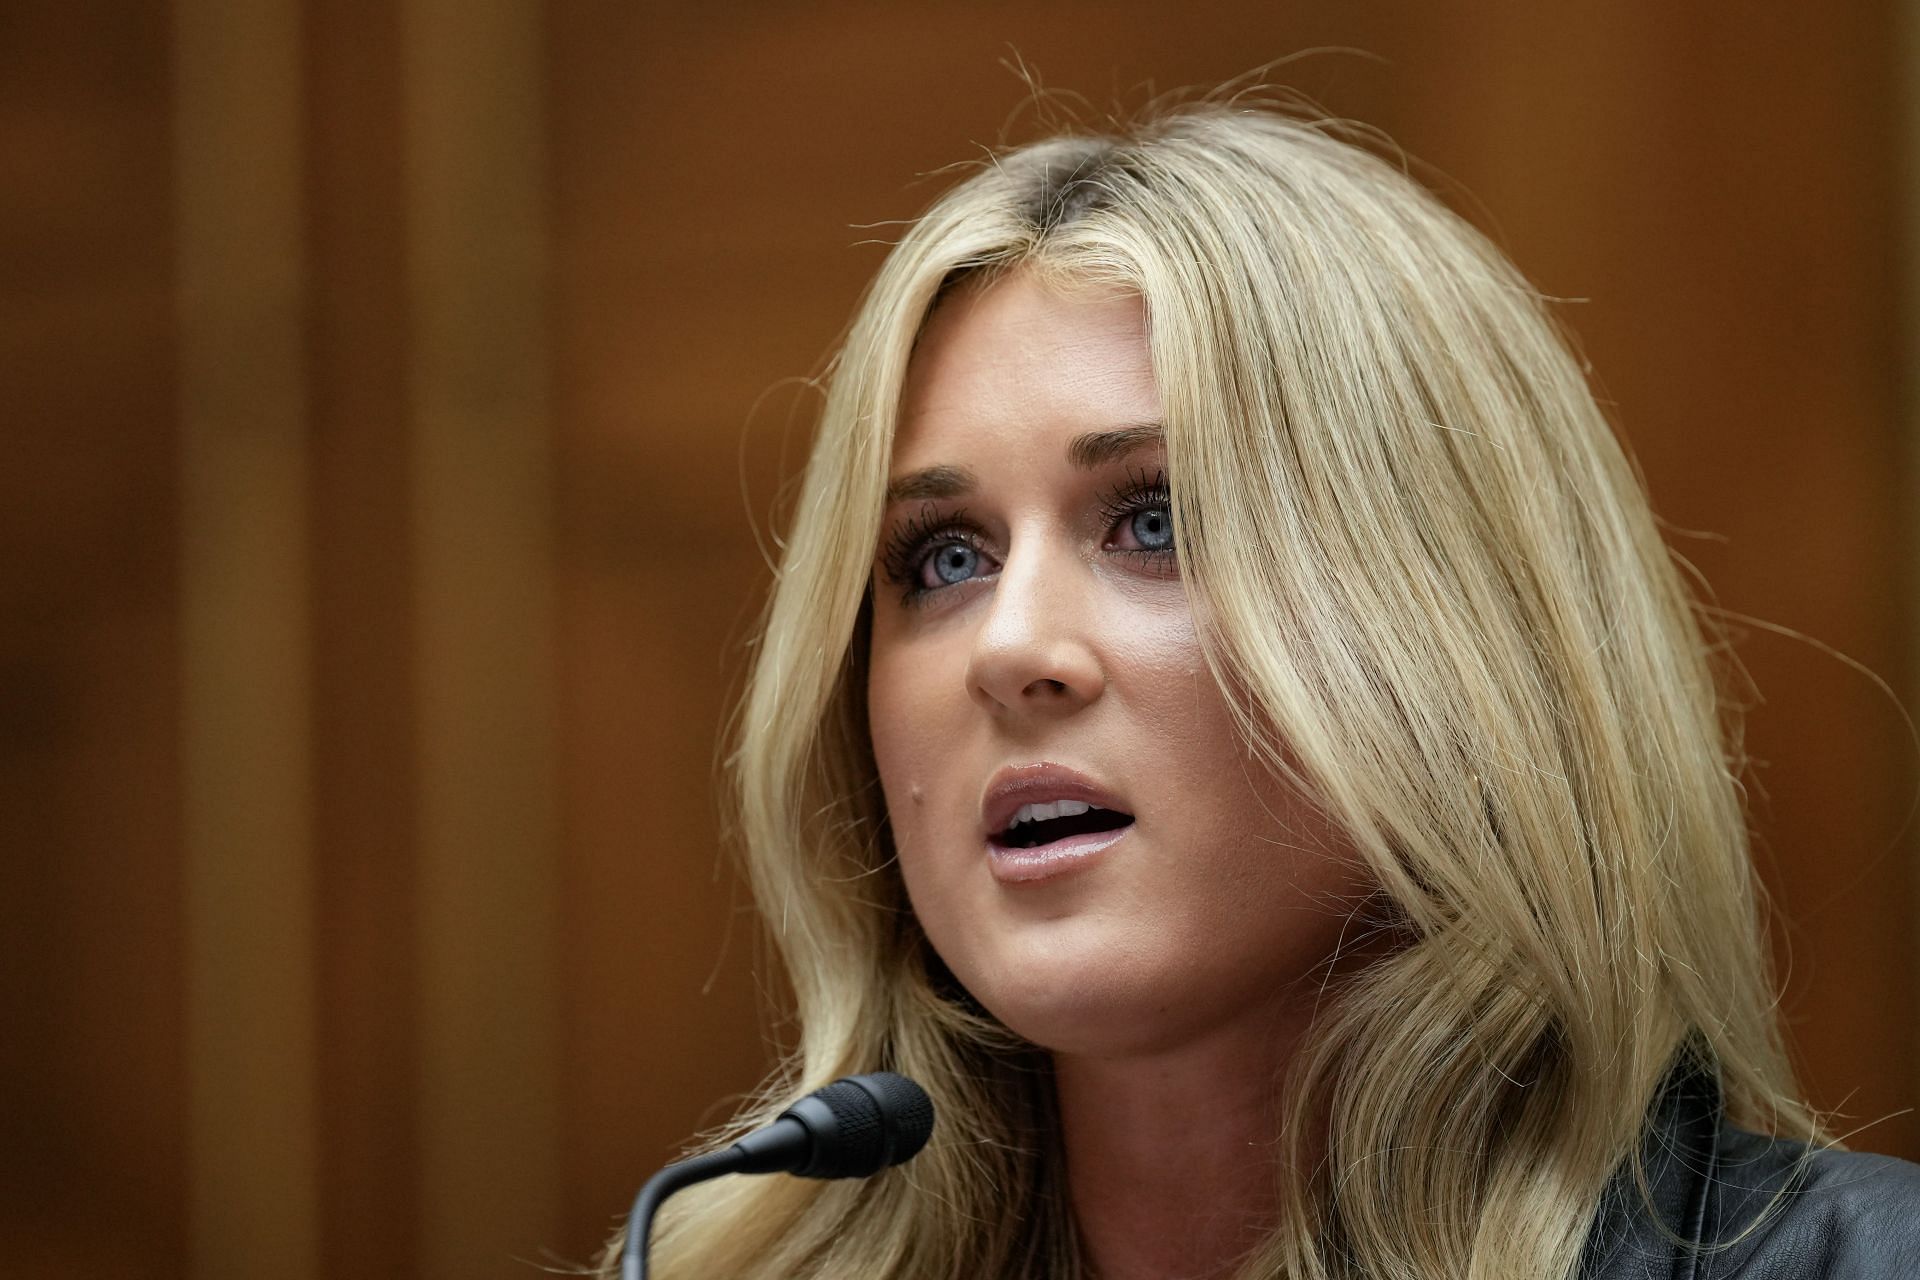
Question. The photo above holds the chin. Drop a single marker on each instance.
(1098, 1032)
(1094, 1009)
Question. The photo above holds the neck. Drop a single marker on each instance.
(1172, 1158)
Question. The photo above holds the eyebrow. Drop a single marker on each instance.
(1098, 448)
(1086, 452)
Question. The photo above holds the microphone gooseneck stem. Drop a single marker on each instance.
(675, 1177)
(852, 1128)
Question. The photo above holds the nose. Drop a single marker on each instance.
(1034, 652)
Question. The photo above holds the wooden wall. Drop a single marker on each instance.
(390, 396)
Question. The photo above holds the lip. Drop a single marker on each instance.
(1021, 784)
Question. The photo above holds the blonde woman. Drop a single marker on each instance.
(1227, 726)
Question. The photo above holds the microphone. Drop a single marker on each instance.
(852, 1128)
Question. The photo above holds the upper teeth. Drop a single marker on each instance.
(1052, 809)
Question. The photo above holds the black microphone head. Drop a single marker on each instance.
(906, 1110)
(863, 1124)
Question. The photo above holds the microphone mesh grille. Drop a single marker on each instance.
(909, 1108)
(859, 1152)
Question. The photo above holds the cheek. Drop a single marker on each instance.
(892, 714)
(912, 718)
(1159, 676)
(1250, 875)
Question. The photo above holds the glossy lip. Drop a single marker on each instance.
(1022, 784)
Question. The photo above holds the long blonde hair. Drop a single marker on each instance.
(1428, 574)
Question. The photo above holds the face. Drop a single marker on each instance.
(1083, 836)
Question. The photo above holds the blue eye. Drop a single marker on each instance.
(1153, 528)
(931, 552)
(1139, 514)
(953, 563)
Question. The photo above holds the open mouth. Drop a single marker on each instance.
(1038, 824)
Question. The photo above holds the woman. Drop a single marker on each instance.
(1227, 725)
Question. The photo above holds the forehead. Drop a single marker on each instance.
(1020, 358)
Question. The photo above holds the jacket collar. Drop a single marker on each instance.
(1680, 1152)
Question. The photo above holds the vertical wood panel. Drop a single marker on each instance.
(1906, 343)
(363, 714)
(244, 679)
(656, 577)
(476, 230)
(92, 1035)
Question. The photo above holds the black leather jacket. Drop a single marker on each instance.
(1840, 1216)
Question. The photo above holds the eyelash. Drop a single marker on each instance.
(908, 547)
(1138, 492)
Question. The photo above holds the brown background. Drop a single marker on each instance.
(390, 393)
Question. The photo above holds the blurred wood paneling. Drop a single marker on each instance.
(93, 1083)
(483, 618)
(364, 720)
(240, 298)
(554, 276)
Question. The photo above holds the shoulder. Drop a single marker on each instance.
(1725, 1204)
(1782, 1209)
(1708, 1201)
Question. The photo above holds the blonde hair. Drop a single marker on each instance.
(1427, 573)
